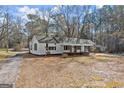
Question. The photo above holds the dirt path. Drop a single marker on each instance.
(9, 70)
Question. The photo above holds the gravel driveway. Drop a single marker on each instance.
(9, 71)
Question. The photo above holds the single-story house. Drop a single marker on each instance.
(40, 45)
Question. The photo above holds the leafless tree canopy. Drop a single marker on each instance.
(104, 26)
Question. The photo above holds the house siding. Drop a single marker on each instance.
(58, 47)
(41, 50)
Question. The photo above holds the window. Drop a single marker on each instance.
(78, 47)
(67, 47)
(52, 48)
(35, 46)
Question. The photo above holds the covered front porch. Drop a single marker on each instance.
(72, 48)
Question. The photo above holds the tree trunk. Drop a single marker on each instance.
(7, 29)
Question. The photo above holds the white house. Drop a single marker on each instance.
(54, 45)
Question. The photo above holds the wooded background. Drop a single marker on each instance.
(104, 26)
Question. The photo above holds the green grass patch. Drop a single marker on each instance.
(114, 84)
(4, 54)
(2, 49)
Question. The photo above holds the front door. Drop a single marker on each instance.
(75, 49)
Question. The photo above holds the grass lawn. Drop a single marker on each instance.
(96, 70)
(4, 54)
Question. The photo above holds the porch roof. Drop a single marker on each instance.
(70, 44)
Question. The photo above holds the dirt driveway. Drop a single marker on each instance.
(76, 71)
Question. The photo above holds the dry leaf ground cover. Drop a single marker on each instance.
(96, 70)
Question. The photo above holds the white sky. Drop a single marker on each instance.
(62, 2)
